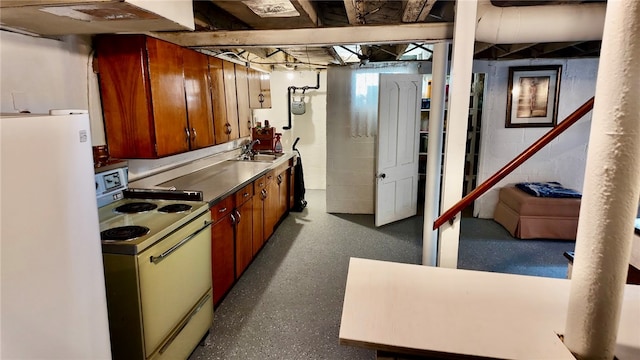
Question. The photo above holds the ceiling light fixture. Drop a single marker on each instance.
(272, 8)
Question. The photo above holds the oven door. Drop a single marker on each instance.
(174, 275)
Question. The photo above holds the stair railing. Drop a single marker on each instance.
(513, 164)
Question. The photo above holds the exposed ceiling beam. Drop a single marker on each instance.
(553, 47)
(384, 34)
(335, 55)
(400, 49)
(480, 47)
(512, 49)
(417, 10)
(355, 11)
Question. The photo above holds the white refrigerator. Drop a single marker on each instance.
(52, 294)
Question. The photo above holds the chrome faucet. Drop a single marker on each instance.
(247, 150)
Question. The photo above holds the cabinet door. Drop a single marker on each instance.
(244, 236)
(228, 69)
(244, 113)
(259, 188)
(218, 100)
(142, 94)
(222, 257)
(271, 205)
(283, 192)
(198, 98)
(265, 90)
(259, 89)
(167, 97)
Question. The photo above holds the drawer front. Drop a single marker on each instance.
(188, 335)
(270, 176)
(221, 209)
(259, 184)
(244, 194)
(173, 278)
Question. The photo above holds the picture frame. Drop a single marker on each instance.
(532, 96)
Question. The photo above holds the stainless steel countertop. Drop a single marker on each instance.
(222, 179)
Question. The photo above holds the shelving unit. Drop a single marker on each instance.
(473, 138)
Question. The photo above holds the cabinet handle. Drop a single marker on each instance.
(245, 194)
(157, 259)
(227, 128)
(233, 219)
(238, 215)
(186, 130)
(261, 98)
(279, 179)
(193, 131)
(222, 210)
(264, 194)
(261, 184)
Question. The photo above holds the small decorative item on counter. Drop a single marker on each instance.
(266, 124)
(277, 148)
(258, 125)
(266, 137)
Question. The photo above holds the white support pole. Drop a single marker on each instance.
(611, 190)
(434, 152)
(456, 136)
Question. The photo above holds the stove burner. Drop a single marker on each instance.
(124, 233)
(174, 208)
(135, 207)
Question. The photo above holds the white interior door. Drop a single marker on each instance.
(397, 147)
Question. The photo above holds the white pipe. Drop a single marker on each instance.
(534, 24)
(611, 190)
(434, 153)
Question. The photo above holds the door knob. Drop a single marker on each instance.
(382, 176)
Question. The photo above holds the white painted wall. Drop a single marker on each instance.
(562, 160)
(43, 74)
(310, 127)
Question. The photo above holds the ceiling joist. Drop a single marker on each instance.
(417, 10)
(385, 34)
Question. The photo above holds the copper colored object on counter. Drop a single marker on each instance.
(100, 155)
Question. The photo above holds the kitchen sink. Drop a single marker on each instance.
(262, 158)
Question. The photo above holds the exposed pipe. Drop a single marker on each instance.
(542, 23)
(611, 191)
(303, 88)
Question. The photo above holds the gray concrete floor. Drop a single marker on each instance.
(288, 303)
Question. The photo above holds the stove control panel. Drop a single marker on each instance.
(110, 184)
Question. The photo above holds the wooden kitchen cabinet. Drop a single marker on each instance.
(259, 197)
(271, 204)
(143, 96)
(198, 97)
(259, 89)
(244, 228)
(230, 93)
(218, 101)
(222, 248)
(282, 179)
(242, 92)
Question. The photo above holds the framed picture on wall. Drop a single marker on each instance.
(532, 96)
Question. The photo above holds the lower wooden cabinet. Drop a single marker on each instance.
(243, 222)
(222, 248)
(244, 228)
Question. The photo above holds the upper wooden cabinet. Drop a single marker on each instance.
(197, 87)
(143, 96)
(218, 99)
(242, 92)
(229, 73)
(259, 90)
(155, 97)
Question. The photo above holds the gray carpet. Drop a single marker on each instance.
(288, 303)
